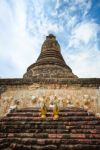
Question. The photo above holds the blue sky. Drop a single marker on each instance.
(25, 23)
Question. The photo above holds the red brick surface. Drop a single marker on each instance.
(76, 129)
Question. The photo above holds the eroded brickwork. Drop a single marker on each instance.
(87, 97)
(49, 76)
(78, 103)
(76, 129)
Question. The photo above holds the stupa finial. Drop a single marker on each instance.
(51, 36)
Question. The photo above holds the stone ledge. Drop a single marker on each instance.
(82, 82)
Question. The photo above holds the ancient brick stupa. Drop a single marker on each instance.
(50, 63)
(50, 108)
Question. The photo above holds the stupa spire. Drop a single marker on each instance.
(50, 43)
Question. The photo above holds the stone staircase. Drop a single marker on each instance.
(24, 129)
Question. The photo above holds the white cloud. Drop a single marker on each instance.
(86, 31)
(57, 4)
(85, 64)
(24, 25)
(83, 50)
(15, 43)
(83, 34)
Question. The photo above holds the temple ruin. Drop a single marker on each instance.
(78, 125)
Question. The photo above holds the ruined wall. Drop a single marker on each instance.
(24, 96)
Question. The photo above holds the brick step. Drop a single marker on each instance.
(32, 147)
(25, 129)
(50, 147)
(53, 122)
(49, 135)
(68, 109)
(54, 147)
(87, 131)
(64, 141)
(81, 141)
(39, 125)
(67, 114)
(90, 129)
(52, 141)
(32, 141)
(63, 130)
(49, 117)
(78, 147)
(71, 123)
(72, 118)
